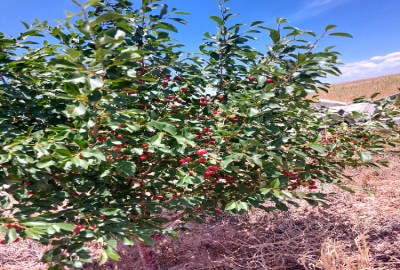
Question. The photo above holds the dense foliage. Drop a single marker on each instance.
(108, 130)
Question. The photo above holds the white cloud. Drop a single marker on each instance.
(373, 67)
(314, 8)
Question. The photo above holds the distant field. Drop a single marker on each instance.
(386, 85)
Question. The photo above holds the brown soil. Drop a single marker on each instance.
(360, 231)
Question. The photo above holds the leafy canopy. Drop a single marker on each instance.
(109, 130)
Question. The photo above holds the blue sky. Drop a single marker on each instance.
(375, 25)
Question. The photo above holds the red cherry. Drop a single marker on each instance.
(204, 103)
(201, 160)
(202, 152)
(101, 139)
(213, 168)
(143, 157)
(252, 79)
(208, 173)
(78, 228)
(102, 217)
(119, 136)
(122, 125)
(165, 83)
(219, 212)
(27, 183)
(269, 80)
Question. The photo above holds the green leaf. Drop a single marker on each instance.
(265, 190)
(109, 16)
(4, 201)
(72, 89)
(229, 159)
(214, 55)
(35, 223)
(89, 153)
(317, 147)
(156, 139)
(243, 206)
(165, 26)
(167, 127)
(11, 235)
(126, 168)
(127, 241)
(287, 194)
(267, 96)
(339, 34)
(103, 257)
(253, 112)
(281, 20)
(112, 254)
(90, 3)
(230, 206)
(329, 27)
(256, 23)
(45, 164)
(110, 211)
(74, 110)
(34, 233)
(365, 156)
(66, 226)
(218, 20)
(275, 35)
(275, 183)
(281, 206)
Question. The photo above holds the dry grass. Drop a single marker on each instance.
(334, 257)
(386, 85)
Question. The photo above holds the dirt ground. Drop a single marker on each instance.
(357, 232)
